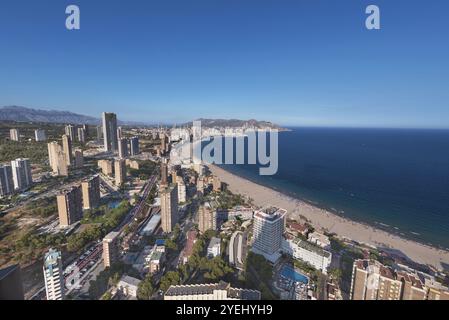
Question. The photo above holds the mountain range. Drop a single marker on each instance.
(23, 114)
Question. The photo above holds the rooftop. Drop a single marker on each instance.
(270, 213)
(203, 289)
(214, 242)
(311, 247)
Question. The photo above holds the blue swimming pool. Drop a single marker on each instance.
(290, 273)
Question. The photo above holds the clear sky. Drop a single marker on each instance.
(293, 62)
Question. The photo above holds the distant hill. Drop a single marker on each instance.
(22, 114)
(233, 123)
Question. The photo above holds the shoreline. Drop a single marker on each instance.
(322, 218)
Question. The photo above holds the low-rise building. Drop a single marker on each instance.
(128, 286)
(308, 252)
(214, 291)
(214, 248)
(319, 239)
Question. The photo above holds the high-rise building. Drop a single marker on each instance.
(122, 148)
(70, 206)
(412, 286)
(70, 131)
(21, 173)
(182, 192)
(81, 135)
(79, 159)
(53, 275)
(39, 135)
(207, 218)
(67, 148)
(110, 131)
(164, 174)
(120, 171)
(14, 134)
(110, 249)
(169, 207)
(119, 133)
(6, 180)
(91, 192)
(134, 146)
(11, 287)
(107, 166)
(86, 130)
(268, 229)
(99, 133)
(57, 159)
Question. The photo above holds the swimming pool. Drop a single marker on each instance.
(290, 273)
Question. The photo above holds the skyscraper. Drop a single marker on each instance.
(79, 159)
(120, 171)
(14, 134)
(91, 192)
(207, 218)
(39, 135)
(99, 133)
(53, 275)
(21, 173)
(11, 287)
(57, 159)
(182, 192)
(81, 135)
(169, 207)
(134, 146)
(6, 180)
(164, 174)
(267, 232)
(110, 131)
(67, 148)
(70, 131)
(110, 248)
(119, 133)
(122, 148)
(70, 206)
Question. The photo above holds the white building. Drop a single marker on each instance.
(214, 248)
(128, 286)
(14, 134)
(319, 239)
(182, 193)
(39, 135)
(268, 229)
(308, 252)
(213, 291)
(21, 173)
(53, 275)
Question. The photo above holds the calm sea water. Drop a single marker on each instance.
(395, 179)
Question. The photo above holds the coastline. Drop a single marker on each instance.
(324, 219)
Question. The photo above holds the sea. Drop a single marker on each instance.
(394, 179)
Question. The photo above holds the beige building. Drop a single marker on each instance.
(169, 207)
(119, 171)
(214, 291)
(110, 249)
(207, 218)
(373, 281)
(67, 148)
(217, 185)
(133, 164)
(57, 159)
(106, 166)
(70, 207)
(91, 192)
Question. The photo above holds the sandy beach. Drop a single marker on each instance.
(323, 219)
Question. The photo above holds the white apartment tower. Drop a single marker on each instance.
(53, 275)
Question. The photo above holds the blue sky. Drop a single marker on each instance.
(293, 62)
